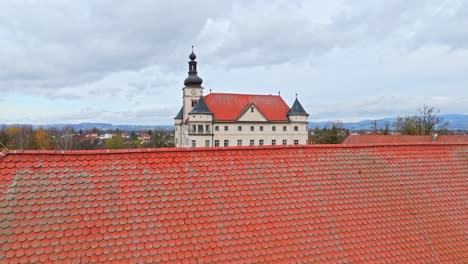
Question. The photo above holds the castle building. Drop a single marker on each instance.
(224, 119)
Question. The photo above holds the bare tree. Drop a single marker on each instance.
(424, 122)
(374, 126)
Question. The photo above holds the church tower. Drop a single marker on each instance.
(193, 89)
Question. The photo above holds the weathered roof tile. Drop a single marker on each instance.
(398, 203)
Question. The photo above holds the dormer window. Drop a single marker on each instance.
(251, 109)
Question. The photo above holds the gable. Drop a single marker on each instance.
(252, 114)
(327, 204)
(228, 107)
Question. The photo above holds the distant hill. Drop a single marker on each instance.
(102, 126)
(456, 121)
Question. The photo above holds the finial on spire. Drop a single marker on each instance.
(279, 92)
(296, 95)
(192, 56)
(210, 90)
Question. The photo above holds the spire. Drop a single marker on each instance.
(180, 115)
(201, 107)
(193, 79)
(297, 109)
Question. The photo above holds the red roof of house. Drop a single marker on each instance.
(322, 204)
(229, 107)
(452, 138)
(385, 139)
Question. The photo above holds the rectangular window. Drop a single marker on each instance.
(207, 143)
(239, 128)
(273, 142)
(260, 142)
(226, 128)
(216, 143)
(207, 128)
(296, 142)
(252, 142)
(194, 128)
(261, 128)
(226, 143)
(285, 142)
(273, 128)
(252, 128)
(251, 109)
(216, 128)
(239, 142)
(194, 143)
(284, 128)
(296, 128)
(194, 102)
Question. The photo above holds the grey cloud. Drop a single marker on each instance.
(63, 41)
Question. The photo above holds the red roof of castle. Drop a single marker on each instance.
(322, 204)
(229, 107)
(385, 139)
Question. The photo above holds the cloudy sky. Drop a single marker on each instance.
(124, 62)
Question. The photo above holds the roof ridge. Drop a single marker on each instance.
(244, 94)
(162, 150)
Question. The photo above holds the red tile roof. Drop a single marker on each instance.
(452, 138)
(228, 107)
(322, 204)
(385, 139)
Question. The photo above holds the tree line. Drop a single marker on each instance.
(24, 137)
(424, 122)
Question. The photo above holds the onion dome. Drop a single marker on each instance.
(193, 80)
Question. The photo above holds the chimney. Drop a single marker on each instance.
(434, 137)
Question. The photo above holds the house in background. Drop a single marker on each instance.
(224, 119)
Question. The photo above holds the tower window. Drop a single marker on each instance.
(194, 102)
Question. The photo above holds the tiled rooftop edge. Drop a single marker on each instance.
(156, 150)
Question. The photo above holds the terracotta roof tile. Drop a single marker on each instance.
(386, 139)
(325, 204)
(228, 107)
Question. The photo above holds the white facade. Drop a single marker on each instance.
(250, 129)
